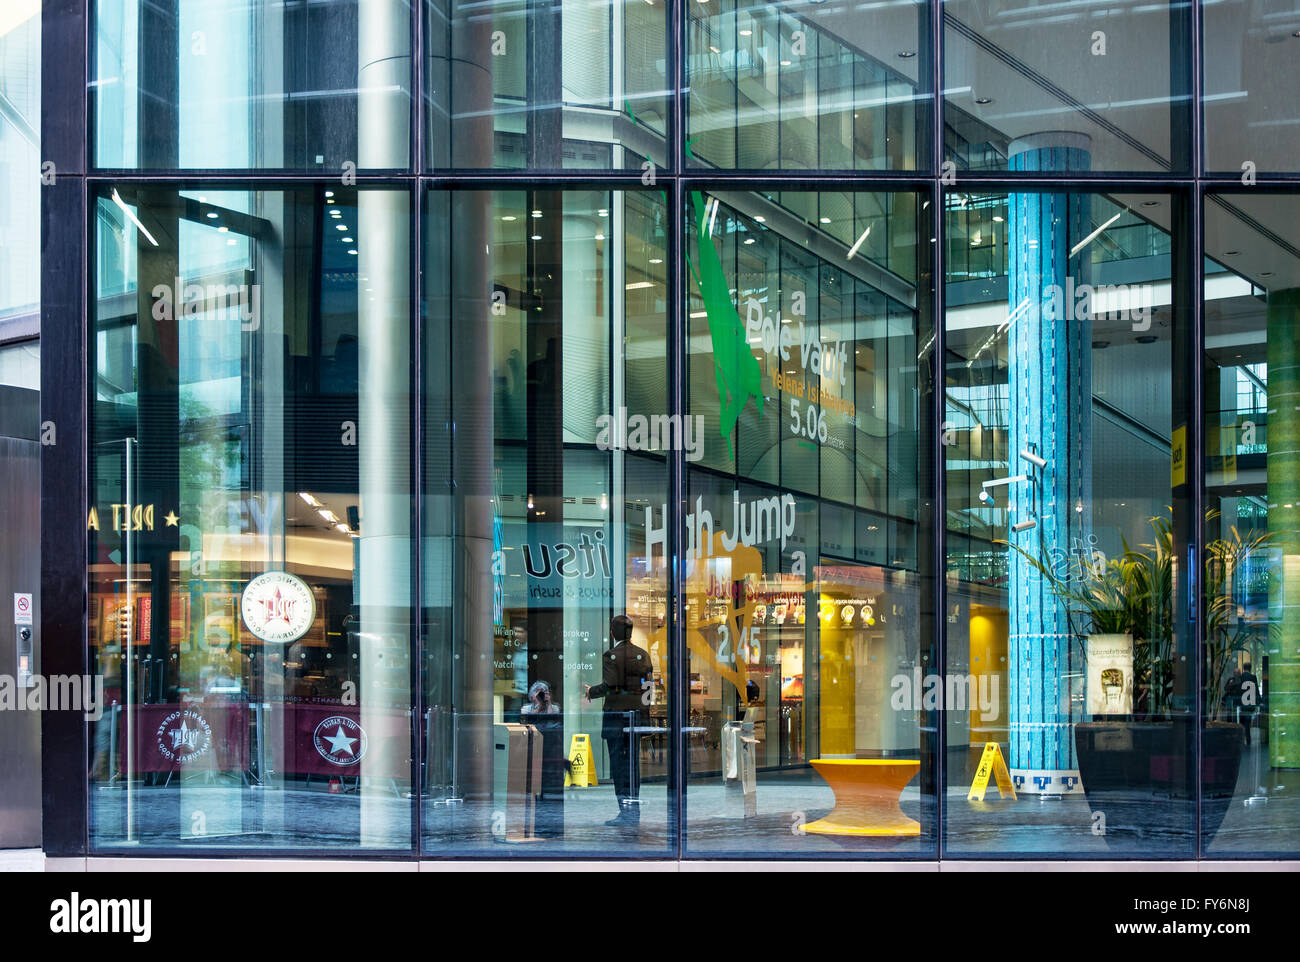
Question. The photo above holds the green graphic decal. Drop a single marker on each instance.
(739, 376)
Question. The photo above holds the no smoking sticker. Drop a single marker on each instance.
(22, 609)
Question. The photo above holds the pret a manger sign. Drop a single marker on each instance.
(278, 607)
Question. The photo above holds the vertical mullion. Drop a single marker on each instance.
(416, 481)
(938, 513)
(679, 688)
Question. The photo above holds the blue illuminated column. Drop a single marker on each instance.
(1049, 345)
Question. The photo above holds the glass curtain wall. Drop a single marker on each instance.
(1068, 524)
(806, 551)
(1252, 529)
(522, 430)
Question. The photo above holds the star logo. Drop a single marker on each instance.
(340, 740)
(171, 519)
(183, 736)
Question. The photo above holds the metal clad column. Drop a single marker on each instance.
(383, 434)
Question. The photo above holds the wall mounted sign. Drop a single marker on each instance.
(278, 607)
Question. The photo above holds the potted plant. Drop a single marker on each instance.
(1126, 759)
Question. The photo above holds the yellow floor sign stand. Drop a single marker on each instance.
(582, 769)
(991, 762)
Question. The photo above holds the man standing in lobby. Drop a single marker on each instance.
(625, 675)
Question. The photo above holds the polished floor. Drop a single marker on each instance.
(203, 812)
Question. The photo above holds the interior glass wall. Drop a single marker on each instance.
(1252, 524)
(1068, 526)
(249, 523)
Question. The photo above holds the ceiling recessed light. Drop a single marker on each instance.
(537, 237)
(825, 220)
(1150, 203)
(347, 240)
(223, 230)
(342, 227)
(603, 212)
(1147, 339)
(508, 217)
(1231, 253)
(749, 240)
(329, 193)
(760, 219)
(1265, 273)
(997, 218)
(785, 63)
(353, 252)
(746, 33)
(656, 260)
(212, 215)
(714, 49)
(907, 54)
(537, 213)
(983, 100)
(600, 237)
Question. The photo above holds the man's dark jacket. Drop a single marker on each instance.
(625, 668)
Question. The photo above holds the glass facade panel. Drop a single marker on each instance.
(249, 524)
(1067, 530)
(1109, 88)
(1250, 88)
(597, 477)
(805, 389)
(546, 585)
(572, 85)
(1252, 525)
(807, 87)
(252, 85)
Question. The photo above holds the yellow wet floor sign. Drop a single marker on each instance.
(991, 762)
(582, 769)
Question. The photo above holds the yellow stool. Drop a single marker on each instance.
(867, 791)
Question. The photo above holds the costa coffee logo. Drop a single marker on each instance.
(340, 740)
(183, 736)
(278, 607)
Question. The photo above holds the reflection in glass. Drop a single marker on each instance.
(545, 486)
(805, 616)
(249, 518)
(1112, 82)
(1249, 87)
(564, 86)
(1066, 524)
(251, 84)
(1252, 525)
(815, 87)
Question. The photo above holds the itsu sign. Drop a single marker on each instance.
(278, 607)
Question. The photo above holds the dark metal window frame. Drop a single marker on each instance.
(67, 41)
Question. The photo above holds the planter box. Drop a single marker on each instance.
(1141, 774)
